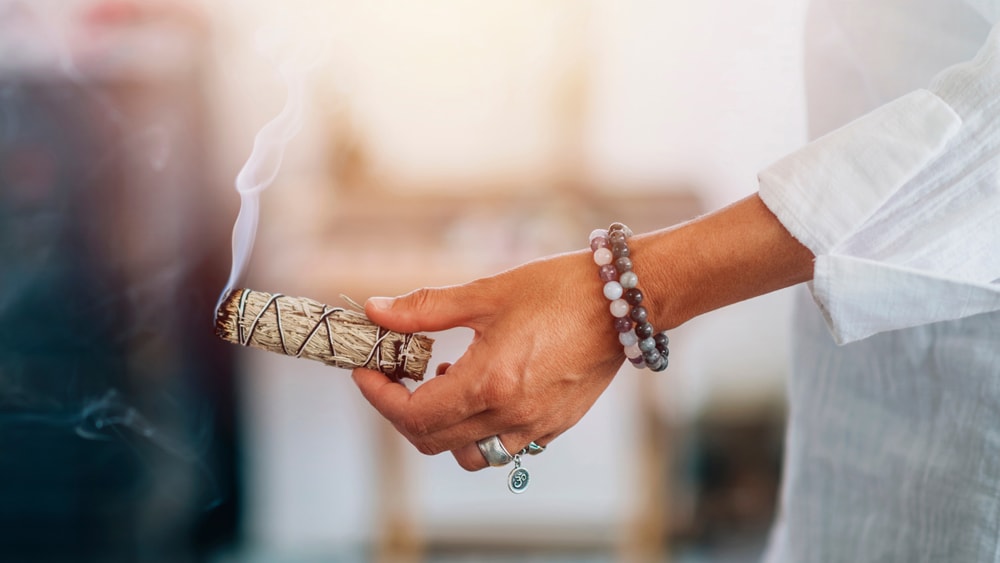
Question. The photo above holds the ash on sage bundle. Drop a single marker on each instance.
(304, 328)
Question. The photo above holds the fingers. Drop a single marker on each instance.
(470, 458)
(442, 402)
(429, 309)
(443, 415)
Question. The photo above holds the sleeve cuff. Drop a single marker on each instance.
(850, 292)
(825, 191)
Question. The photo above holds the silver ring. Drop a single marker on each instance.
(534, 449)
(492, 449)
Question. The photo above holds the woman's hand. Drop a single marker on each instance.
(544, 350)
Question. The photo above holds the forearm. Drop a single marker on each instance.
(736, 253)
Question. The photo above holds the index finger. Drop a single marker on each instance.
(436, 404)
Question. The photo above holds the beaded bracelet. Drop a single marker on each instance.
(644, 347)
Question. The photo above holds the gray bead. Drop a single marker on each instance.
(623, 264)
(647, 345)
(652, 357)
(639, 314)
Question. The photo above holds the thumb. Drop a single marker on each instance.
(425, 309)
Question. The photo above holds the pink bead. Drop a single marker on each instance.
(603, 256)
(599, 242)
(609, 273)
(619, 308)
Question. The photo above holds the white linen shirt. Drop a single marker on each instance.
(903, 203)
(893, 440)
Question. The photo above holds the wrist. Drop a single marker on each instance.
(660, 264)
(734, 254)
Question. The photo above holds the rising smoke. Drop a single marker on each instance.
(264, 163)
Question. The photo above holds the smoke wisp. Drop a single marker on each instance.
(264, 163)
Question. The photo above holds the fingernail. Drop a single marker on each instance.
(381, 303)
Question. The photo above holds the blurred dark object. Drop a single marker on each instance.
(733, 470)
(117, 404)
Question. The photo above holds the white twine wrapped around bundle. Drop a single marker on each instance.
(304, 328)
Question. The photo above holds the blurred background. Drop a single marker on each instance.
(442, 141)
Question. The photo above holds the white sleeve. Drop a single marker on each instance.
(902, 206)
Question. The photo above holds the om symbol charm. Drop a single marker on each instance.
(517, 480)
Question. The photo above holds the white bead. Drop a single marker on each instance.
(603, 256)
(598, 233)
(613, 290)
(629, 280)
(619, 308)
(628, 339)
(632, 351)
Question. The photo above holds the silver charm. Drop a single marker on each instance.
(518, 479)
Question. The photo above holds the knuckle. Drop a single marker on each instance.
(427, 448)
(499, 390)
(421, 299)
(522, 414)
(414, 426)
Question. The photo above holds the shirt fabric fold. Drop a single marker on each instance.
(910, 190)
